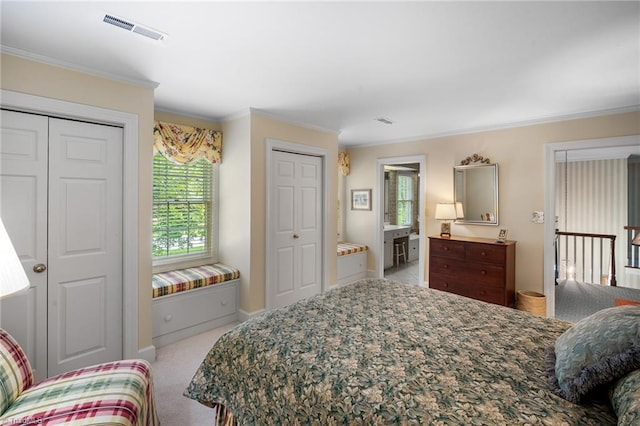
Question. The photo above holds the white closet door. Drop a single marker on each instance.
(23, 208)
(297, 227)
(85, 245)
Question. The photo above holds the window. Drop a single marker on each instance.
(183, 210)
(405, 200)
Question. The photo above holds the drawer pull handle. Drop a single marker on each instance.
(445, 285)
(483, 253)
(483, 272)
(446, 249)
(445, 266)
(168, 318)
(224, 303)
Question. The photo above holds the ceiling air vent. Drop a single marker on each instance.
(133, 27)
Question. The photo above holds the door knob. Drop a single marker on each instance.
(296, 236)
(39, 268)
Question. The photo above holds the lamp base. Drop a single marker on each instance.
(445, 230)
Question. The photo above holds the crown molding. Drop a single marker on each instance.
(75, 67)
(500, 126)
(278, 117)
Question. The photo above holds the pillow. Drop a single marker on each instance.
(623, 302)
(625, 399)
(15, 371)
(596, 350)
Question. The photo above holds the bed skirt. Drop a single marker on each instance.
(222, 416)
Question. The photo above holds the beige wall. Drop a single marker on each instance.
(34, 78)
(519, 153)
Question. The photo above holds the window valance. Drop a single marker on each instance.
(184, 144)
(344, 163)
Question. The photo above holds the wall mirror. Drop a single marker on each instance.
(476, 188)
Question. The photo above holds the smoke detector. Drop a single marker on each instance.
(384, 120)
(133, 27)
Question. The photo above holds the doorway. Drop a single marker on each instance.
(129, 122)
(401, 183)
(565, 150)
(296, 220)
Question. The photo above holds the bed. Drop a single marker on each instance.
(378, 352)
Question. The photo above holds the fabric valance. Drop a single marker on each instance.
(184, 144)
(344, 163)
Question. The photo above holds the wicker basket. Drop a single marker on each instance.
(530, 301)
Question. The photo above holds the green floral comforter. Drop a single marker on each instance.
(382, 352)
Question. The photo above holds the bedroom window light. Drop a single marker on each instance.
(184, 206)
(405, 200)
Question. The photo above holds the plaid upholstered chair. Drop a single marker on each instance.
(114, 393)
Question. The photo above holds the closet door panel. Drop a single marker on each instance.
(85, 245)
(23, 208)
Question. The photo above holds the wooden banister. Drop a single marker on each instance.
(612, 241)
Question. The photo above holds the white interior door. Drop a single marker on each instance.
(61, 201)
(85, 244)
(296, 224)
(23, 207)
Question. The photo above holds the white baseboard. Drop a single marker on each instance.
(244, 315)
(148, 353)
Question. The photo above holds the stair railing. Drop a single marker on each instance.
(585, 257)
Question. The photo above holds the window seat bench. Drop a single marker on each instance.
(190, 301)
(352, 262)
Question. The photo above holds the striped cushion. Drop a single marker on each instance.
(15, 371)
(113, 393)
(190, 278)
(349, 248)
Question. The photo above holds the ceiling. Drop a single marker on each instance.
(432, 68)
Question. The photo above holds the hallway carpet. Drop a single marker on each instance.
(575, 300)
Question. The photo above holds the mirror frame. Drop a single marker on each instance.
(463, 221)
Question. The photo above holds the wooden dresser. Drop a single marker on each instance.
(478, 268)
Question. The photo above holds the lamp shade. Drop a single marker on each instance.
(636, 240)
(459, 211)
(12, 275)
(446, 211)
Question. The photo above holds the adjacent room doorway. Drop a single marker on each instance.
(406, 164)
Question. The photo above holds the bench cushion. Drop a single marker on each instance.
(350, 248)
(186, 279)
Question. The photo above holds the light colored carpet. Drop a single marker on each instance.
(173, 369)
(575, 300)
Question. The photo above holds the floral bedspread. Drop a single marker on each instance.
(382, 352)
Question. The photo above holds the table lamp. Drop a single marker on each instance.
(446, 212)
(12, 275)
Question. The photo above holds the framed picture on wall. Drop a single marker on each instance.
(360, 199)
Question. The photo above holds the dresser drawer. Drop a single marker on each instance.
(445, 265)
(446, 248)
(467, 289)
(482, 273)
(485, 253)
